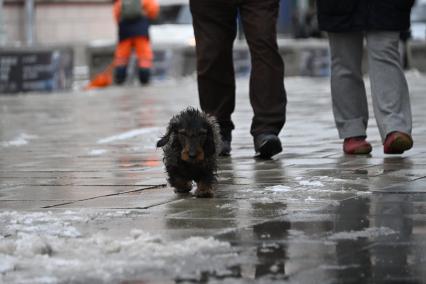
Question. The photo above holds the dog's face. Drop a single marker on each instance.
(192, 135)
(192, 141)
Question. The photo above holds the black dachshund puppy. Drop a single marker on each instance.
(190, 146)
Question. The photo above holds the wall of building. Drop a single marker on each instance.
(12, 18)
(55, 23)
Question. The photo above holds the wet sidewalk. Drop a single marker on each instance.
(84, 199)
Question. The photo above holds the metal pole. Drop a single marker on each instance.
(29, 22)
(303, 7)
(2, 31)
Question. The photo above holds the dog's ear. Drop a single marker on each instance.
(170, 129)
(163, 140)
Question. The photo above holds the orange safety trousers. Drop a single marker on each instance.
(143, 50)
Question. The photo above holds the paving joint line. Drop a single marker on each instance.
(107, 195)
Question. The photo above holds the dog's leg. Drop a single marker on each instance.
(181, 185)
(204, 189)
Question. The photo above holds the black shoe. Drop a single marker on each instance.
(225, 149)
(267, 145)
(144, 75)
(120, 74)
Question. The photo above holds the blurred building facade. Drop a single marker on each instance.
(67, 22)
(57, 22)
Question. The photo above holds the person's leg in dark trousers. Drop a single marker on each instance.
(215, 30)
(267, 93)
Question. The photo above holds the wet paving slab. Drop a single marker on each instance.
(84, 196)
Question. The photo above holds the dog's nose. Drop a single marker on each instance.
(192, 155)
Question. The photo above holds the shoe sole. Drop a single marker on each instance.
(225, 154)
(269, 149)
(399, 145)
(361, 151)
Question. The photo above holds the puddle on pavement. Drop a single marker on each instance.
(380, 239)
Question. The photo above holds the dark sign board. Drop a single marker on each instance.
(39, 70)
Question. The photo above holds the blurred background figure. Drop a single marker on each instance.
(305, 24)
(86, 29)
(418, 20)
(133, 18)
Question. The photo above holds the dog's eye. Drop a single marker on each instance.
(203, 131)
(182, 132)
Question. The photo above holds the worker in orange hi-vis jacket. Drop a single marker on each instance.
(133, 18)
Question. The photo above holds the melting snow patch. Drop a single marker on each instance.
(364, 193)
(310, 199)
(39, 223)
(338, 267)
(48, 248)
(263, 200)
(310, 189)
(6, 263)
(128, 135)
(97, 152)
(318, 180)
(225, 206)
(331, 179)
(296, 234)
(372, 232)
(311, 183)
(279, 188)
(20, 140)
(308, 217)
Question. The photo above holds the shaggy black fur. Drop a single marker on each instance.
(191, 145)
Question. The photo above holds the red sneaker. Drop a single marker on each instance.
(356, 146)
(397, 142)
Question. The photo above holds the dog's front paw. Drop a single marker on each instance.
(204, 193)
(181, 185)
(182, 190)
(204, 190)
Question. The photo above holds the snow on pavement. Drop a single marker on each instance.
(129, 134)
(372, 232)
(20, 140)
(46, 247)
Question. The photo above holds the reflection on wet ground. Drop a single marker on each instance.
(363, 240)
(81, 179)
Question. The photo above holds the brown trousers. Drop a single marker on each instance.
(215, 27)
